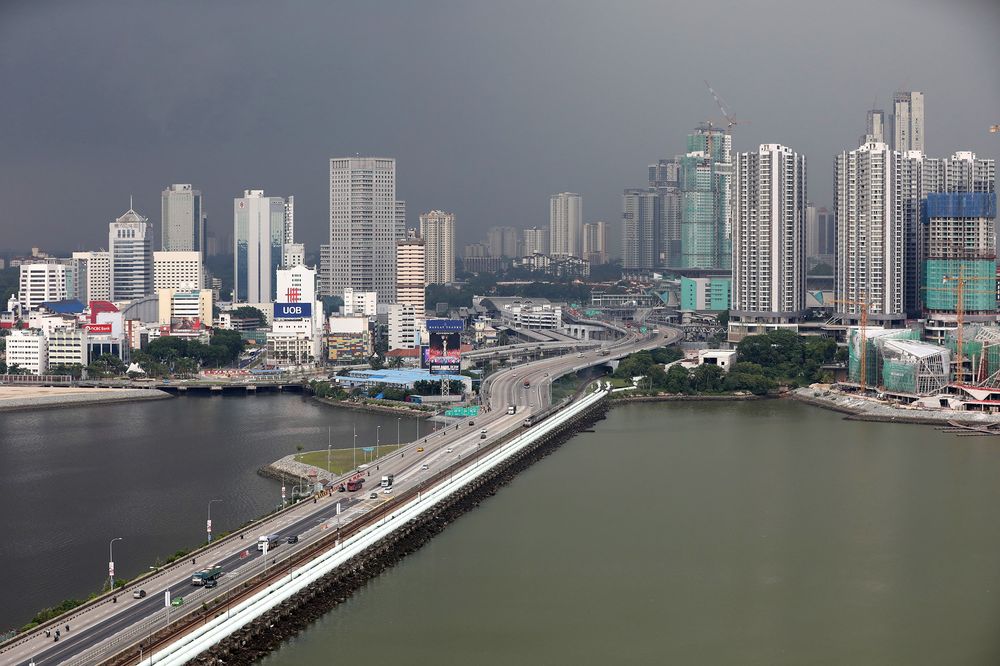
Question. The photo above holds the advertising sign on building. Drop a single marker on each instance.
(185, 324)
(444, 352)
(292, 310)
(98, 329)
(445, 325)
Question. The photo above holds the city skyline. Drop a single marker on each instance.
(490, 185)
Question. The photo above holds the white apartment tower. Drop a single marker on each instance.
(908, 121)
(130, 245)
(366, 220)
(182, 219)
(595, 243)
(870, 223)
(536, 241)
(565, 223)
(410, 272)
(41, 282)
(769, 240)
(437, 228)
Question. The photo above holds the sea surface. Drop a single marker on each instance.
(767, 533)
(72, 479)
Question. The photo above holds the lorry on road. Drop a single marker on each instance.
(387, 480)
(270, 540)
(605, 352)
(206, 575)
(512, 409)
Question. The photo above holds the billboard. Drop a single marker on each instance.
(98, 329)
(185, 323)
(445, 325)
(444, 348)
(292, 310)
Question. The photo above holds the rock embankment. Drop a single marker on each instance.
(867, 409)
(17, 398)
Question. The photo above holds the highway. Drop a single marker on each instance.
(310, 521)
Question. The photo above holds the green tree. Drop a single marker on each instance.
(707, 378)
(106, 365)
(396, 362)
(75, 370)
(677, 380)
(375, 362)
(250, 312)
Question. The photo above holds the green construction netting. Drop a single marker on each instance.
(899, 377)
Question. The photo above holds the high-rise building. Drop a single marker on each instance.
(191, 308)
(41, 282)
(182, 221)
(437, 228)
(565, 223)
(404, 326)
(177, 270)
(769, 240)
(410, 272)
(28, 350)
(703, 182)
(536, 241)
(640, 217)
(93, 275)
(962, 172)
(259, 234)
(821, 233)
(595, 243)
(366, 220)
(130, 245)
(503, 242)
(871, 247)
(292, 255)
(664, 176)
(878, 127)
(360, 303)
(908, 121)
(289, 226)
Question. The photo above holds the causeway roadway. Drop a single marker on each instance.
(100, 629)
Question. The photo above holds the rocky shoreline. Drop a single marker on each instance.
(864, 409)
(672, 397)
(381, 409)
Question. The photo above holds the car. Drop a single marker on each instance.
(482, 435)
(292, 539)
(424, 466)
(472, 423)
(177, 601)
(546, 374)
(387, 490)
(211, 582)
(448, 450)
(373, 496)
(139, 594)
(483, 431)
(420, 449)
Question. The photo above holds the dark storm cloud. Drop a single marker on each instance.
(488, 107)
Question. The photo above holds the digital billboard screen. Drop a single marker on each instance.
(444, 349)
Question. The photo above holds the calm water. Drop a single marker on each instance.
(759, 533)
(71, 479)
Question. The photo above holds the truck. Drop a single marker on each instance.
(605, 352)
(387, 480)
(205, 575)
(355, 484)
(270, 540)
(512, 409)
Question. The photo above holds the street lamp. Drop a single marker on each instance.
(111, 560)
(398, 419)
(210, 518)
(378, 431)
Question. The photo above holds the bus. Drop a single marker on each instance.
(205, 575)
(272, 541)
(355, 484)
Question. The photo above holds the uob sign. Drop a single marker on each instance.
(292, 310)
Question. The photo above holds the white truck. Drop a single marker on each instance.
(512, 409)
(387, 480)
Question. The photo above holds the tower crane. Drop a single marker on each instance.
(731, 122)
(862, 333)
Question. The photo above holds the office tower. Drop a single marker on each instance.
(870, 241)
(289, 225)
(410, 272)
(182, 219)
(595, 243)
(664, 177)
(130, 246)
(437, 228)
(640, 215)
(366, 220)
(41, 282)
(292, 255)
(565, 223)
(177, 271)
(703, 182)
(404, 325)
(259, 234)
(93, 275)
(821, 233)
(769, 244)
(536, 241)
(502, 242)
(908, 121)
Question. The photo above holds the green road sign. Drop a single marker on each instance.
(463, 411)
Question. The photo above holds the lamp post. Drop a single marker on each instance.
(378, 431)
(111, 560)
(398, 419)
(209, 524)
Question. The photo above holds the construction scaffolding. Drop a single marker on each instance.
(981, 353)
(873, 356)
(913, 367)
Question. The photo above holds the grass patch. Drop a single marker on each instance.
(341, 460)
(566, 386)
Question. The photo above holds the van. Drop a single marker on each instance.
(139, 594)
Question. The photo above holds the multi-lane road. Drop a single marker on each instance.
(127, 620)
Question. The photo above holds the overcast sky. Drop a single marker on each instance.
(489, 107)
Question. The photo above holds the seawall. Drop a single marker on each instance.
(863, 409)
(22, 398)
